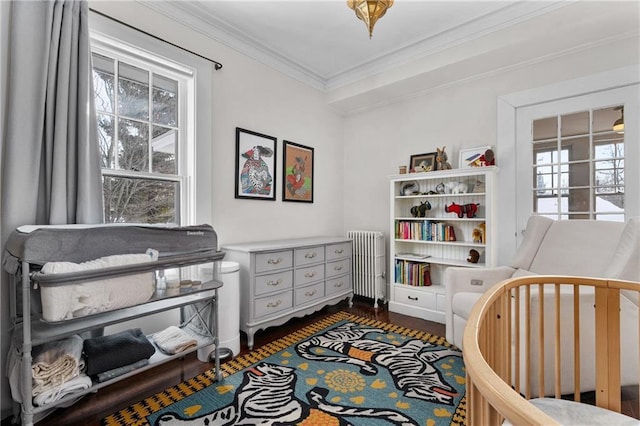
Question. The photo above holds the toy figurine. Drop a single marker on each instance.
(474, 256)
(461, 209)
(441, 159)
(421, 210)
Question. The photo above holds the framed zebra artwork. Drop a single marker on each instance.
(255, 165)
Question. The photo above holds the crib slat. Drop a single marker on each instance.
(541, 340)
(576, 343)
(613, 337)
(558, 342)
(527, 354)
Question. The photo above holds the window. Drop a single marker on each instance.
(142, 107)
(578, 170)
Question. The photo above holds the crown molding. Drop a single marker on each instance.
(199, 19)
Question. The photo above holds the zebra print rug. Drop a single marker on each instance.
(343, 370)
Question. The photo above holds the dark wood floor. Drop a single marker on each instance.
(92, 408)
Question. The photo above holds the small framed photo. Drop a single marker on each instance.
(475, 157)
(422, 163)
(255, 165)
(297, 173)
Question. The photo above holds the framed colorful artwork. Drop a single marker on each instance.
(474, 157)
(255, 165)
(297, 173)
(422, 163)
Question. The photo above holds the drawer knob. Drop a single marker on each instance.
(310, 255)
(339, 251)
(310, 293)
(274, 261)
(310, 274)
(275, 282)
(340, 284)
(274, 305)
(412, 298)
(337, 268)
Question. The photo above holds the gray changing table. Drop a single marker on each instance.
(29, 248)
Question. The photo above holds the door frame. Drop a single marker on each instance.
(507, 107)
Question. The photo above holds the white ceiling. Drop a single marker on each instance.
(324, 44)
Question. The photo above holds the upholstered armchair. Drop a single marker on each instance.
(588, 248)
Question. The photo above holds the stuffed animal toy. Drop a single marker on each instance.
(479, 233)
(474, 256)
(421, 210)
(441, 159)
(440, 189)
(461, 209)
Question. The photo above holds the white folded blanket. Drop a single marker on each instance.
(77, 300)
(173, 340)
(76, 384)
(55, 363)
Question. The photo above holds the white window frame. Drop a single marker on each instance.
(185, 153)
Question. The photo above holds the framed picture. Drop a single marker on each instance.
(255, 165)
(297, 173)
(473, 157)
(422, 162)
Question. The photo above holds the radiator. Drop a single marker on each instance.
(368, 264)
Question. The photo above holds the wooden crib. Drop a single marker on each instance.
(510, 359)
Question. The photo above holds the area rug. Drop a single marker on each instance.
(342, 370)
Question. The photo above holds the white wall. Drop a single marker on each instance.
(461, 116)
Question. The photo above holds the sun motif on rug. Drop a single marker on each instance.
(344, 381)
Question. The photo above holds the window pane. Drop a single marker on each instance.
(603, 119)
(549, 205)
(575, 124)
(612, 149)
(165, 97)
(577, 174)
(133, 92)
(133, 146)
(164, 145)
(545, 128)
(545, 152)
(609, 173)
(105, 139)
(576, 149)
(139, 200)
(103, 84)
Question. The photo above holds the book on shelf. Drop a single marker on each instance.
(425, 230)
(416, 274)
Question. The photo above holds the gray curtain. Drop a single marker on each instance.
(50, 162)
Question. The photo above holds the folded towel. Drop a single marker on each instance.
(105, 353)
(50, 396)
(55, 363)
(112, 374)
(173, 340)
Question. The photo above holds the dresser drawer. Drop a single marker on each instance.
(309, 255)
(338, 267)
(309, 274)
(273, 261)
(273, 282)
(338, 251)
(308, 294)
(336, 285)
(272, 304)
(417, 298)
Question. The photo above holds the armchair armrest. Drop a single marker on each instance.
(458, 280)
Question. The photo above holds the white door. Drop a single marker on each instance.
(566, 177)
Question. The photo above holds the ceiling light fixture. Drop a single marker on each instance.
(618, 125)
(369, 11)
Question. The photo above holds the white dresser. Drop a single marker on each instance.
(282, 279)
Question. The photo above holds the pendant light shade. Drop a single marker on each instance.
(618, 125)
(369, 11)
